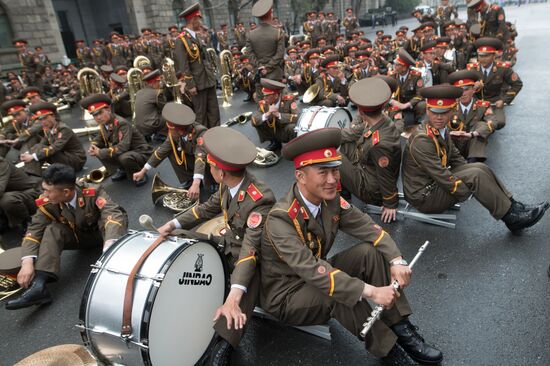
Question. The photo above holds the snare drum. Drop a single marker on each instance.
(177, 291)
(314, 118)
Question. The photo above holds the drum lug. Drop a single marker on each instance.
(96, 266)
(159, 277)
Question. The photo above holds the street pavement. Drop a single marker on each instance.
(479, 293)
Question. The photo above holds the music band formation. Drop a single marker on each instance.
(425, 105)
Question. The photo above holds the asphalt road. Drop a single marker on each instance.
(479, 294)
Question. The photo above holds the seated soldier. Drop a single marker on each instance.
(31, 95)
(276, 116)
(332, 83)
(363, 69)
(499, 83)
(16, 109)
(301, 286)
(436, 176)
(371, 149)
(119, 96)
(244, 202)
(149, 103)
(119, 146)
(184, 147)
(70, 216)
(472, 122)
(59, 143)
(17, 194)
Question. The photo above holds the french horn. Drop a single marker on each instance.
(173, 198)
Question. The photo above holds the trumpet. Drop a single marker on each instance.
(95, 176)
(241, 119)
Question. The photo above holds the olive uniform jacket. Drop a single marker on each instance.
(267, 48)
(60, 138)
(288, 110)
(117, 137)
(194, 62)
(376, 150)
(428, 161)
(409, 89)
(329, 89)
(94, 211)
(149, 104)
(182, 149)
(244, 217)
(493, 23)
(501, 84)
(13, 179)
(295, 247)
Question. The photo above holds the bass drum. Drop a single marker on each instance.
(314, 118)
(177, 291)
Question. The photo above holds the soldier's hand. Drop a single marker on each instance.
(384, 296)
(26, 273)
(263, 71)
(139, 175)
(402, 274)
(166, 229)
(388, 214)
(193, 91)
(231, 310)
(273, 109)
(298, 79)
(341, 100)
(195, 189)
(478, 85)
(499, 104)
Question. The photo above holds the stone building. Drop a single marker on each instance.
(56, 24)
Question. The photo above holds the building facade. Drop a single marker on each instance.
(56, 24)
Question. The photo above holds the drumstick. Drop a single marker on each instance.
(147, 222)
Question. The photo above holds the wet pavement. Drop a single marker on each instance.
(479, 293)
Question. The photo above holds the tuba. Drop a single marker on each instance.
(226, 69)
(173, 198)
(170, 79)
(213, 57)
(89, 81)
(135, 84)
(141, 61)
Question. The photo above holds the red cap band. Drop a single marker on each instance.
(431, 49)
(400, 61)
(15, 109)
(316, 156)
(442, 44)
(32, 94)
(42, 113)
(212, 161)
(464, 82)
(486, 49)
(331, 64)
(267, 91)
(190, 16)
(440, 103)
(97, 106)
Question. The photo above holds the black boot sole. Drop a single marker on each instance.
(40, 302)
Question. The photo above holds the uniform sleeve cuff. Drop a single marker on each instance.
(198, 176)
(176, 223)
(35, 157)
(29, 256)
(147, 166)
(264, 117)
(240, 287)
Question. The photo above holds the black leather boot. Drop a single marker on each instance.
(414, 344)
(274, 145)
(520, 206)
(220, 355)
(119, 175)
(398, 357)
(516, 219)
(36, 294)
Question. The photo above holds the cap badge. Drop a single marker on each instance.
(328, 153)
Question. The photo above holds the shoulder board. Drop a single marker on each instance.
(375, 137)
(88, 192)
(374, 68)
(254, 192)
(504, 65)
(472, 65)
(261, 102)
(116, 122)
(41, 201)
(344, 204)
(391, 73)
(294, 209)
(483, 103)
(415, 73)
(288, 97)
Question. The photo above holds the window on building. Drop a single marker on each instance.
(6, 34)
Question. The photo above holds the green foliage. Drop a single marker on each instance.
(402, 6)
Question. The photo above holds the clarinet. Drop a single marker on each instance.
(377, 312)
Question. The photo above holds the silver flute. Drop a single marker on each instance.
(377, 311)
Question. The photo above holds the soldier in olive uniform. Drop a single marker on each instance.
(293, 68)
(223, 38)
(266, 44)
(15, 127)
(119, 146)
(70, 216)
(364, 69)
(472, 121)
(437, 72)
(26, 59)
(443, 14)
(195, 66)
(407, 98)
(59, 143)
(31, 94)
(301, 286)
(119, 96)
(333, 89)
(184, 147)
(244, 201)
(276, 116)
(240, 35)
(436, 176)
(500, 84)
(372, 149)
(83, 54)
(350, 22)
(116, 52)
(149, 103)
(99, 54)
(492, 19)
(17, 194)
